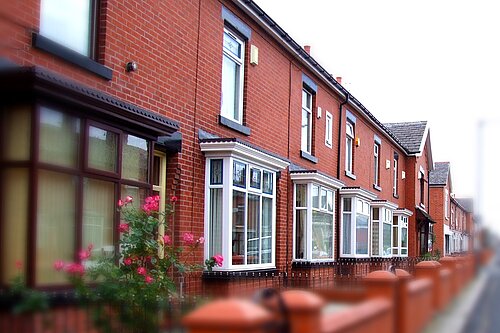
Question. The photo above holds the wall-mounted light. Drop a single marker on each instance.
(254, 55)
(319, 112)
(403, 175)
(357, 141)
(131, 66)
(387, 164)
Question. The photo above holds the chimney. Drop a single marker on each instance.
(339, 79)
(307, 48)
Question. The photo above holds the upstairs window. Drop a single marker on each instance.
(376, 164)
(446, 200)
(232, 77)
(422, 187)
(70, 23)
(306, 125)
(395, 175)
(349, 147)
(329, 130)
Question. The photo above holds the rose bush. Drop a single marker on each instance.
(138, 281)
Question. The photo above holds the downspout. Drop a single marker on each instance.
(337, 227)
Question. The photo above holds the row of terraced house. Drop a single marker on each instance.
(273, 160)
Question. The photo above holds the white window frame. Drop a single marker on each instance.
(376, 162)
(386, 210)
(402, 217)
(309, 208)
(239, 61)
(329, 130)
(357, 197)
(229, 152)
(306, 142)
(349, 140)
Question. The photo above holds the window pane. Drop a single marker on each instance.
(346, 233)
(305, 130)
(404, 237)
(395, 242)
(216, 172)
(230, 89)
(347, 205)
(55, 225)
(67, 23)
(315, 196)
(156, 170)
(322, 235)
(348, 155)
(239, 174)
(232, 45)
(14, 214)
(238, 228)
(330, 201)
(215, 220)
(266, 250)
(135, 158)
(255, 179)
(361, 234)
(375, 238)
(387, 239)
(103, 149)
(16, 133)
(268, 182)
(59, 138)
(376, 213)
(267, 216)
(301, 195)
(323, 199)
(253, 229)
(300, 233)
(98, 215)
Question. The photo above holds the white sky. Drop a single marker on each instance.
(435, 60)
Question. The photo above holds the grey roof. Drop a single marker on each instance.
(467, 204)
(440, 174)
(410, 134)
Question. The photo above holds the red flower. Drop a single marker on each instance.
(84, 255)
(173, 199)
(151, 204)
(148, 279)
(218, 259)
(201, 240)
(188, 238)
(75, 269)
(128, 199)
(167, 240)
(141, 271)
(19, 264)
(127, 261)
(120, 203)
(59, 265)
(123, 227)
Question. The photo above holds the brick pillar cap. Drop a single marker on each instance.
(444, 272)
(428, 264)
(301, 300)
(230, 313)
(382, 276)
(447, 259)
(402, 274)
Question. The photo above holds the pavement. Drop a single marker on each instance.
(466, 313)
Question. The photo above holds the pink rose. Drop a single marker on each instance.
(128, 199)
(84, 255)
(148, 279)
(123, 227)
(151, 204)
(201, 240)
(127, 261)
(173, 199)
(59, 265)
(19, 264)
(141, 271)
(218, 259)
(188, 238)
(75, 269)
(167, 240)
(120, 203)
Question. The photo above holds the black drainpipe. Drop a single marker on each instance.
(339, 214)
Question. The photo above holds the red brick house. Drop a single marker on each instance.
(441, 191)
(272, 159)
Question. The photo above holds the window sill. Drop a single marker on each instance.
(308, 157)
(422, 205)
(395, 196)
(350, 175)
(234, 125)
(241, 274)
(45, 44)
(302, 263)
(376, 187)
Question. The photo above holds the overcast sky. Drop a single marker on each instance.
(434, 60)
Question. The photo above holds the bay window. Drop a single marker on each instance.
(314, 216)
(400, 232)
(355, 226)
(71, 170)
(382, 212)
(240, 206)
